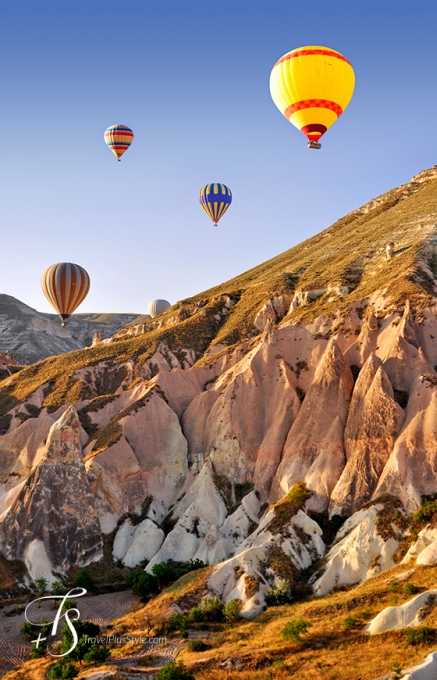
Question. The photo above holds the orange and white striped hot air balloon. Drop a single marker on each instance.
(65, 286)
(312, 86)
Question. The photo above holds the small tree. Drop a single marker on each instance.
(295, 629)
(57, 588)
(41, 585)
(175, 671)
(83, 579)
(142, 584)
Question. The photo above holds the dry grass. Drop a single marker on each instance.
(350, 252)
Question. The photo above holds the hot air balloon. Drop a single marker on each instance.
(65, 286)
(118, 138)
(312, 86)
(215, 199)
(158, 307)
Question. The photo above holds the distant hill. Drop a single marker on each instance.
(32, 336)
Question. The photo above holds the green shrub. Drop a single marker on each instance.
(355, 621)
(175, 671)
(196, 615)
(36, 652)
(295, 629)
(170, 571)
(423, 635)
(212, 608)
(97, 654)
(278, 594)
(83, 579)
(231, 611)
(63, 671)
(350, 622)
(177, 623)
(197, 646)
(410, 589)
(393, 586)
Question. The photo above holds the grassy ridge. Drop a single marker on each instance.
(349, 253)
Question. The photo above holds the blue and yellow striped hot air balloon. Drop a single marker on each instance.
(215, 199)
(118, 138)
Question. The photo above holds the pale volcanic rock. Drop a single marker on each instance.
(228, 580)
(358, 553)
(411, 470)
(265, 316)
(424, 671)
(221, 542)
(314, 450)
(408, 615)
(54, 514)
(426, 537)
(428, 555)
(373, 425)
(134, 544)
(201, 508)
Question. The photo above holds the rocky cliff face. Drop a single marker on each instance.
(53, 522)
(32, 336)
(315, 369)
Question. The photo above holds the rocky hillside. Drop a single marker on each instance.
(246, 424)
(32, 335)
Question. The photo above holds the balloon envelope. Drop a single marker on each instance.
(118, 138)
(157, 307)
(215, 199)
(65, 286)
(312, 86)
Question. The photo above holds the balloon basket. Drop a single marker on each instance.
(314, 145)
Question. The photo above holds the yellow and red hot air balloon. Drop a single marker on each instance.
(118, 138)
(312, 86)
(65, 286)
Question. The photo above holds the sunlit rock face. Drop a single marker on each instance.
(53, 522)
(314, 449)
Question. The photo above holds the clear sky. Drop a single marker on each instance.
(190, 77)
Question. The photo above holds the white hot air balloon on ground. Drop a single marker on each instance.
(157, 307)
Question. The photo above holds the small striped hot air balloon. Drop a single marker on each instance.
(215, 199)
(65, 286)
(157, 307)
(312, 86)
(118, 138)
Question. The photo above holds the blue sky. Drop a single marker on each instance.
(190, 77)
